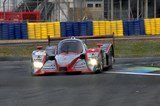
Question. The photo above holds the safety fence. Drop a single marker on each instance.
(41, 30)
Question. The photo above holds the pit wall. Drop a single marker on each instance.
(41, 30)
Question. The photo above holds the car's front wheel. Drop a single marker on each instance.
(100, 66)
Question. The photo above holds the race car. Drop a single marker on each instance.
(71, 55)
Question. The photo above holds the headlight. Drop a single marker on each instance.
(37, 64)
(93, 62)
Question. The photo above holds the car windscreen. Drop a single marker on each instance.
(70, 46)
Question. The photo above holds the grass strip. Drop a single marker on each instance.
(123, 48)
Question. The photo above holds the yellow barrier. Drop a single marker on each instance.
(44, 30)
(31, 31)
(153, 26)
(114, 27)
(50, 29)
(102, 28)
(108, 28)
(119, 28)
(57, 29)
(96, 29)
(157, 26)
(147, 24)
(38, 30)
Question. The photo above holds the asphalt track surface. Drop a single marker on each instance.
(19, 88)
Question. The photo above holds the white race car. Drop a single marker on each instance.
(72, 56)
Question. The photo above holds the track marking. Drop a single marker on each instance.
(133, 73)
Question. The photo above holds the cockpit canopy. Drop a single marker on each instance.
(66, 46)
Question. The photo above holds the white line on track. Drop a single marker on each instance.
(133, 73)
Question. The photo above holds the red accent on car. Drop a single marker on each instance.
(39, 47)
(99, 44)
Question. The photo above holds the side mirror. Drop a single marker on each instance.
(82, 56)
(99, 44)
(39, 47)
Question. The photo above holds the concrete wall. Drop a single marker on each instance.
(94, 12)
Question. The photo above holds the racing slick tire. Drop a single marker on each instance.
(110, 66)
(100, 70)
(100, 66)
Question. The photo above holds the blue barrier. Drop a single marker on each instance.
(125, 28)
(5, 34)
(24, 30)
(11, 31)
(133, 27)
(69, 29)
(0, 31)
(63, 29)
(76, 29)
(17, 27)
(142, 29)
(90, 28)
(137, 28)
(83, 27)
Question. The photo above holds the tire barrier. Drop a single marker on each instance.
(57, 30)
(100, 28)
(89, 28)
(50, 29)
(17, 27)
(31, 31)
(157, 26)
(69, 29)
(152, 26)
(11, 31)
(5, 34)
(76, 29)
(0, 31)
(83, 29)
(103, 28)
(63, 30)
(142, 29)
(133, 27)
(24, 31)
(38, 30)
(117, 28)
(41, 30)
(16, 30)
